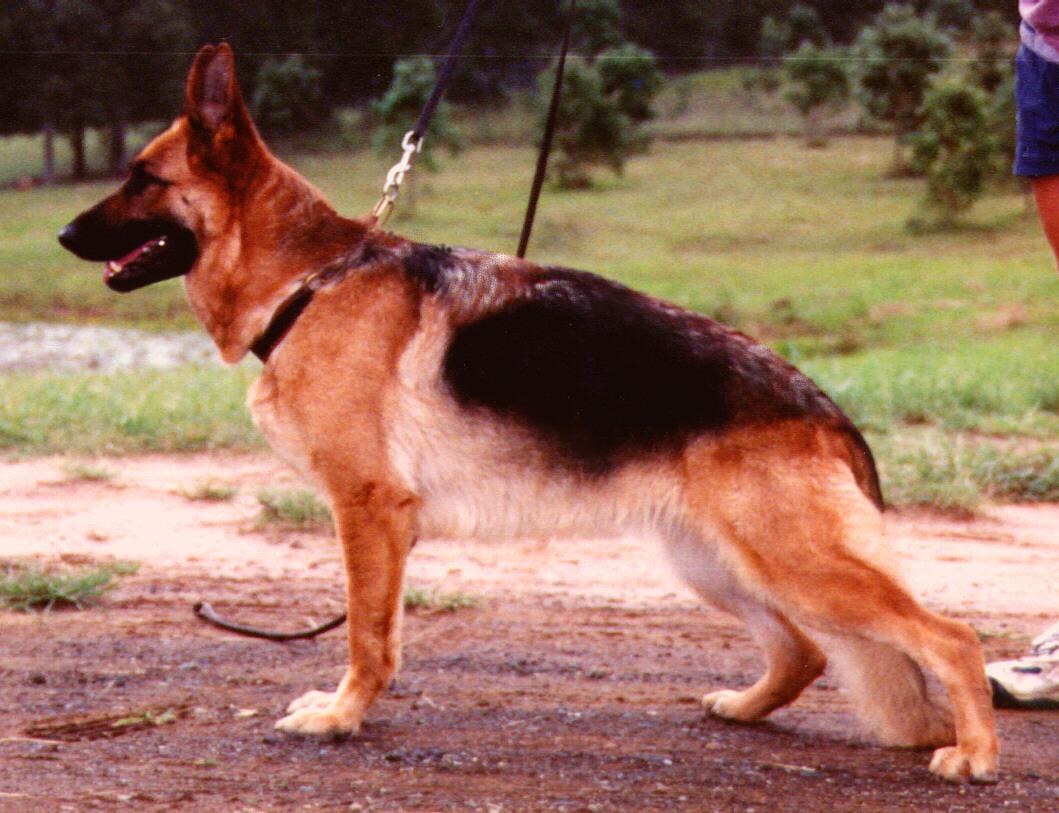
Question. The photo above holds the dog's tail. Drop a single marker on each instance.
(890, 693)
(862, 462)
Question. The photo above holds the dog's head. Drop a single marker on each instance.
(181, 189)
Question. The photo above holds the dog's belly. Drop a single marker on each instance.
(477, 478)
(472, 503)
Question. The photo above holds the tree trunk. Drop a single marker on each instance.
(815, 132)
(48, 177)
(117, 156)
(77, 144)
(900, 166)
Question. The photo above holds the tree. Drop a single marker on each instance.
(953, 147)
(816, 79)
(288, 97)
(86, 63)
(677, 31)
(597, 26)
(397, 110)
(803, 25)
(605, 100)
(897, 56)
(992, 39)
(953, 15)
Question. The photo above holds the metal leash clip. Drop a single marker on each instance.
(395, 177)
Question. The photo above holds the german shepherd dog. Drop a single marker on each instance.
(452, 392)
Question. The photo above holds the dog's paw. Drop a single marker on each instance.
(318, 722)
(311, 700)
(729, 705)
(957, 764)
(319, 714)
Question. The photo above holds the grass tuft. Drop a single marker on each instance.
(84, 472)
(934, 478)
(1028, 477)
(26, 587)
(209, 491)
(298, 510)
(416, 598)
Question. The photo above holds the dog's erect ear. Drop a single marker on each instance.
(222, 129)
(213, 91)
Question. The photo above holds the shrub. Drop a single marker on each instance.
(896, 57)
(288, 98)
(605, 100)
(397, 110)
(816, 79)
(953, 147)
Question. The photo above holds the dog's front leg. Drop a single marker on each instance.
(376, 525)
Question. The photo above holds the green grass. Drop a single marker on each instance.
(185, 409)
(26, 587)
(298, 510)
(959, 472)
(1008, 385)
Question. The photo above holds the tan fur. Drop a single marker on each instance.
(767, 522)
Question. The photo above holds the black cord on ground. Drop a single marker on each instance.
(206, 613)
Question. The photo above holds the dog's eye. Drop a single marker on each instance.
(140, 179)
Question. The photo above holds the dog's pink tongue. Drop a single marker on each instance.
(132, 255)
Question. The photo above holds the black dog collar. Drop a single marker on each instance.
(291, 308)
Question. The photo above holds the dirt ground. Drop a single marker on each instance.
(573, 686)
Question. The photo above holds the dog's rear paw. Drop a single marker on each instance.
(729, 705)
(957, 764)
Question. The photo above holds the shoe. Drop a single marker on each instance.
(1032, 681)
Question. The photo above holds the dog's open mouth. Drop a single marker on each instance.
(167, 255)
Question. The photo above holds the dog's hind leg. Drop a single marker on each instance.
(795, 527)
(889, 692)
(376, 526)
(792, 660)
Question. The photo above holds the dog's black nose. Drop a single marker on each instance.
(68, 236)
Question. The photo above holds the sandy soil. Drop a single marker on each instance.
(572, 687)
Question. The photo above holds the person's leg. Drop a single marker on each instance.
(1046, 191)
(1037, 135)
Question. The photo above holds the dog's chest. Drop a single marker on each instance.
(283, 433)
